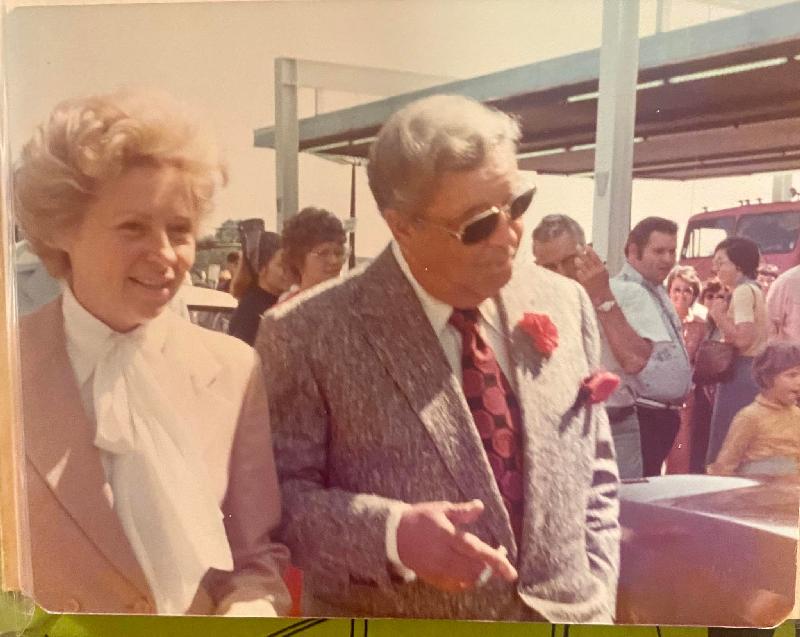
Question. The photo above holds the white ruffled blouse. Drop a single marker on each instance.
(159, 487)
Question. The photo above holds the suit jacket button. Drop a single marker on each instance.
(72, 605)
(142, 606)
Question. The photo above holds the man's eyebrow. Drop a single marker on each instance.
(483, 207)
(474, 211)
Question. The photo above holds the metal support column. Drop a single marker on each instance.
(663, 12)
(781, 187)
(616, 111)
(287, 139)
(352, 230)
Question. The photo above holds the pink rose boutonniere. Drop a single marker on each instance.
(542, 331)
(597, 388)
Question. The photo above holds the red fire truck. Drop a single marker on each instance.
(773, 226)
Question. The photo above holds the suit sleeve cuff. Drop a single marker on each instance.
(392, 554)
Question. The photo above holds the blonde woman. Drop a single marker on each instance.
(684, 288)
(151, 480)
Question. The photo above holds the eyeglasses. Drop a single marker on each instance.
(565, 263)
(481, 226)
(339, 254)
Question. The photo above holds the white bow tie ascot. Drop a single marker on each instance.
(160, 487)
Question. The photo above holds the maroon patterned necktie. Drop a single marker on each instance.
(496, 413)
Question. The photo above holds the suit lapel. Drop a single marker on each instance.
(59, 441)
(401, 335)
(526, 366)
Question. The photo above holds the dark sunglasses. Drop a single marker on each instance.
(482, 225)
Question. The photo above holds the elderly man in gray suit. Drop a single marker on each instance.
(437, 454)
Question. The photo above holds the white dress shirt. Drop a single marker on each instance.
(438, 313)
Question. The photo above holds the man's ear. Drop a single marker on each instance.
(400, 225)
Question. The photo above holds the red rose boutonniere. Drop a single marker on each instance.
(542, 331)
(597, 388)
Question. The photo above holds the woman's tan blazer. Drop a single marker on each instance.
(82, 560)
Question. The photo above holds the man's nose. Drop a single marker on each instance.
(506, 232)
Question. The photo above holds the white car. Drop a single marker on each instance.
(35, 287)
(208, 308)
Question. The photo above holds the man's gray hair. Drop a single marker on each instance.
(434, 135)
(553, 226)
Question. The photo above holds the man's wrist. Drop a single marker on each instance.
(601, 296)
(392, 554)
(604, 307)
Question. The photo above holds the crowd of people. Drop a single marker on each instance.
(654, 318)
(426, 436)
(310, 251)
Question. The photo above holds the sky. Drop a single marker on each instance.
(219, 57)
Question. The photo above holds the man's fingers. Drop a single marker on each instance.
(470, 547)
(464, 512)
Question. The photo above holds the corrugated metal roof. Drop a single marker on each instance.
(721, 98)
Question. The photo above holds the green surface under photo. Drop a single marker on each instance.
(95, 626)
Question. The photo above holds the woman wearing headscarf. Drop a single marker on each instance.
(268, 280)
(150, 477)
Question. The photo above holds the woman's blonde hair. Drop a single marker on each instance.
(688, 274)
(89, 141)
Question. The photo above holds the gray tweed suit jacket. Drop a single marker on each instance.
(366, 411)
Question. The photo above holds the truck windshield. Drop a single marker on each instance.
(775, 233)
(703, 235)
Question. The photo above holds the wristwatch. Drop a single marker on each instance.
(606, 306)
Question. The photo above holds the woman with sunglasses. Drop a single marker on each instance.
(314, 249)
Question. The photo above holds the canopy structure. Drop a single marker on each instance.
(718, 99)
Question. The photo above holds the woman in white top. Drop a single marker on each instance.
(150, 476)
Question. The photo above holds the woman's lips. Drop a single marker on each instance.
(154, 286)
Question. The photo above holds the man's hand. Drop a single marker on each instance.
(430, 543)
(593, 275)
(630, 350)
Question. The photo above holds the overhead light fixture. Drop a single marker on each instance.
(578, 147)
(583, 97)
(728, 70)
(327, 147)
(340, 145)
(646, 85)
(541, 153)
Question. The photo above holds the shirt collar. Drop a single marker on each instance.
(439, 312)
(629, 273)
(88, 338)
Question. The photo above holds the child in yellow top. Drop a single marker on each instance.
(764, 437)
